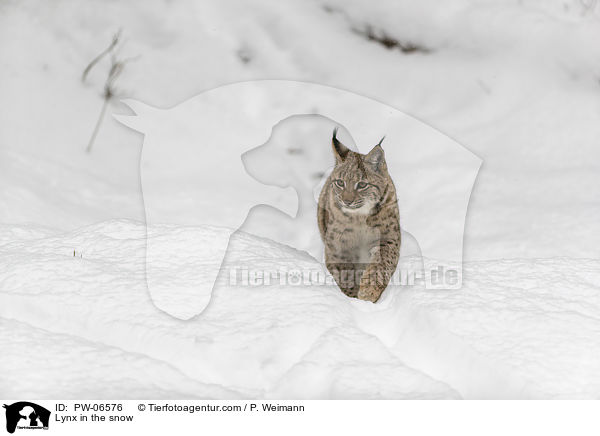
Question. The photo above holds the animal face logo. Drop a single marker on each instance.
(26, 415)
(205, 164)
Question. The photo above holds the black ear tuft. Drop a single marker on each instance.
(340, 151)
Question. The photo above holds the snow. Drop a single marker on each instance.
(288, 341)
(515, 82)
(102, 298)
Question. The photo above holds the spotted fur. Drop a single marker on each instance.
(359, 222)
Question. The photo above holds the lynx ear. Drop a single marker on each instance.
(340, 151)
(376, 157)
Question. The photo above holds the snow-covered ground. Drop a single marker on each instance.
(515, 82)
(508, 333)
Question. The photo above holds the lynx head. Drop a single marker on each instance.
(358, 181)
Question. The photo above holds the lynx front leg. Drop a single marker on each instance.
(377, 275)
(373, 283)
(347, 276)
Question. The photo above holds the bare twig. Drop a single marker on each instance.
(95, 132)
(98, 58)
(381, 37)
(116, 68)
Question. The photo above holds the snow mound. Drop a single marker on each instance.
(80, 301)
(43, 364)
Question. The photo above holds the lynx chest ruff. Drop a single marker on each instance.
(356, 242)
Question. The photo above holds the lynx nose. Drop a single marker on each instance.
(347, 198)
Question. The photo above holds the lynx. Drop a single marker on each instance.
(359, 222)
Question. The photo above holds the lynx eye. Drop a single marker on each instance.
(361, 185)
(340, 183)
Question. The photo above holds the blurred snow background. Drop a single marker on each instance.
(515, 82)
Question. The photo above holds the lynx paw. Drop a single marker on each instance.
(368, 294)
